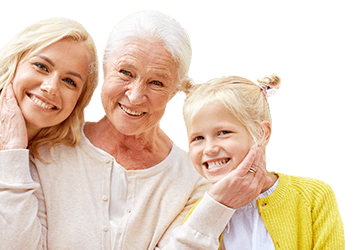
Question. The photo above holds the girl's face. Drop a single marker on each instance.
(48, 84)
(217, 142)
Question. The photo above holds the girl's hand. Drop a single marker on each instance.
(13, 131)
(240, 186)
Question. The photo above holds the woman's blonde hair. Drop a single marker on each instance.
(30, 41)
(243, 98)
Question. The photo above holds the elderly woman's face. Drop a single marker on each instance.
(140, 79)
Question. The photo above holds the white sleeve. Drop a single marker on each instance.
(20, 227)
(203, 228)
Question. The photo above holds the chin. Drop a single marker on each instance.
(213, 180)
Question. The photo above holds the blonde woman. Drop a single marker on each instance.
(48, 73)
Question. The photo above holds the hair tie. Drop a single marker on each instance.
(269, 85)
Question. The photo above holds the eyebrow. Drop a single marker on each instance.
(165, 76)
(123, 62)
(46, 59)
(52, 63)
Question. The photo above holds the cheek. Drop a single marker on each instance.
(109, 92)
(113, 87)
(195, 156)
(17, 81)
(71, 102)
(18, 89)
(159, 101)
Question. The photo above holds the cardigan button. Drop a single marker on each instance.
(264, 204)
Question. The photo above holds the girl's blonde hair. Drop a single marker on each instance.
(33, 39)
(245, 99)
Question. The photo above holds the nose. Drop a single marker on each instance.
(50, 86)
(211, 148)
(136, 92)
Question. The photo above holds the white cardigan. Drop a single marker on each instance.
(64, 204)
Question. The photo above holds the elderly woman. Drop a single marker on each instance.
(126, 185)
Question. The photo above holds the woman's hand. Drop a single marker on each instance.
(240, 186)
(13, 131)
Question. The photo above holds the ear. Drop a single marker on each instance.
(264, 133)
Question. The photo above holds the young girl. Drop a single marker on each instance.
(225, 117)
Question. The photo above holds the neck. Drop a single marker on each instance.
(273, 177)
(31, 131)
(131, 151)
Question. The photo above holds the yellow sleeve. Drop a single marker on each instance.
(328, 229)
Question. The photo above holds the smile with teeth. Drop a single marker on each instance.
(131, 112)
(41, 103)
(214, 164)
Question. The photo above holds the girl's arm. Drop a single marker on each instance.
(328, 229)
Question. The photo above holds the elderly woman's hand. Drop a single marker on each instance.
(13, 132)
(240, 186)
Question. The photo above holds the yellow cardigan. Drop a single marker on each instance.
(301, 213)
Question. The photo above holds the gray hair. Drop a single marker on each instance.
(156, 26)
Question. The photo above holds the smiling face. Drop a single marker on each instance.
(218, 142)
(47, 85)
(140, 79)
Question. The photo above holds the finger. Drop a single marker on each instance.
(10, 96)
(248, 161)
(258, 180)
(9, 91)
(259, 160)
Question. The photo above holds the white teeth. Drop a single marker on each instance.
(131, 112)
(41, 103)
(210, 165)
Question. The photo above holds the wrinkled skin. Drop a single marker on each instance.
(240, 186)
(13, 131)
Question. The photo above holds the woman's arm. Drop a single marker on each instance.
(209, 218)
(20, 226)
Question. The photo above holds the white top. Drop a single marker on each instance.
(65, 204)
(118, 197)
(246, 229)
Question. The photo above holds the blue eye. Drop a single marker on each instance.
(157, 83)
(198, 138)
(41, 66)
(224, 132)
(125, 72)
(70, 81)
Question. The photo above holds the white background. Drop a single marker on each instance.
(172, 123)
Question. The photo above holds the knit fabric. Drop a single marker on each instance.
(302, 213)
(64, 203)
